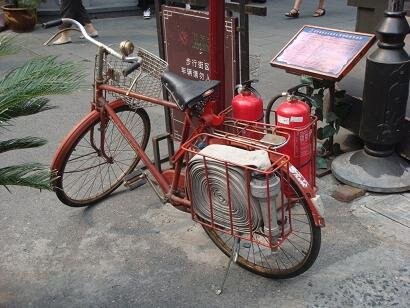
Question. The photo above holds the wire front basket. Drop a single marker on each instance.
(146, 80)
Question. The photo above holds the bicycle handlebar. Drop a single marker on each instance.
(111, 51)
(135, 65)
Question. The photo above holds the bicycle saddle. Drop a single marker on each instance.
(186, 92)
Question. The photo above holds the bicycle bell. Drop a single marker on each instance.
(126, 48)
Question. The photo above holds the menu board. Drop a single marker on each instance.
(323, 53)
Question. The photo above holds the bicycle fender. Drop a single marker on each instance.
(313, 200)
(58, 156)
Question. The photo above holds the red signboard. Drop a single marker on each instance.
(186, 42)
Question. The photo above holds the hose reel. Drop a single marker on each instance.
(219, 187)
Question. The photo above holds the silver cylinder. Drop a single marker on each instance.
(263, 187)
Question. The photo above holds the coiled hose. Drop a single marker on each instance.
(209, 190)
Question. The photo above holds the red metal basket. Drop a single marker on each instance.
(236, 180)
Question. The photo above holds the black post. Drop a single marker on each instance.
(386, 88)
(396, 6)
(244, 40)
(161, 50)
(386, 85)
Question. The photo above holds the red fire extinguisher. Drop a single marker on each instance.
(293, 117)
(248, 105)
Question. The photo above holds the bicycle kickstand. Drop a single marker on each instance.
(234, 258)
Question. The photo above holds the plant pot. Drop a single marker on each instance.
(19, 19)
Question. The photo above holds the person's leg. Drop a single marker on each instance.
(294, 12)
(297, 4)
(81, 12)
(321, 4)
(143, 4)
(83, 18)
(66, 11)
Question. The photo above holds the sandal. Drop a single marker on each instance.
(319, 12)
(294, 13)
(62, 40)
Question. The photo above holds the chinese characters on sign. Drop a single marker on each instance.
(196, 69)
(324, 53)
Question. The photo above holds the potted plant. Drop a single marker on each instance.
(21, 15)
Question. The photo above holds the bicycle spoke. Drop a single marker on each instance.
(306, 240)
(87, 175)
(290, 255)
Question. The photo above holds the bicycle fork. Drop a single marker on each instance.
(101, 149)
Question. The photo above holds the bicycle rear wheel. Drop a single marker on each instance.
(294, 256)
(83, 175)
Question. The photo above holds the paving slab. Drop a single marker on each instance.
(396, 208)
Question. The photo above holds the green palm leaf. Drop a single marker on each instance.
(6, 45)
(21, 143)
(21, 94)
(38, 77)
(33, 106)
(31, 175)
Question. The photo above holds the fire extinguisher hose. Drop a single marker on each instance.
(219, 187)
(293, 91)
(213, 203)
(269, 107)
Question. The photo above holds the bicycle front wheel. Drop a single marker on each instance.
(90, 166)
(297, 252)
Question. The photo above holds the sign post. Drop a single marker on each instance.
(216, 48)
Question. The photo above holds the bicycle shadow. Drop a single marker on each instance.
(88, 212)
(121, 196)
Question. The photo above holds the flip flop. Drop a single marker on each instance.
(293, 13)
(319, 12)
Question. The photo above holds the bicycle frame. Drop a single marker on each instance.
(207, 121)
(264, 200)
(171, 180)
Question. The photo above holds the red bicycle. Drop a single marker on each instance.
(254, 205)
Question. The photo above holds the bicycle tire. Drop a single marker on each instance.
(81, 175)
(268, 264)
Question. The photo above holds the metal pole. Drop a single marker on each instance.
(161, 50)
(216, 48)
(396, 6)
(244, 40)
(378, 168)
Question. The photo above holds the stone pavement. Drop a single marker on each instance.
(131, 250)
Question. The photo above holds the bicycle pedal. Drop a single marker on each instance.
(136, 183)
(135, 179)
(132, 175)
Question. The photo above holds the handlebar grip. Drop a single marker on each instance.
(53, 23)
(135, 65)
